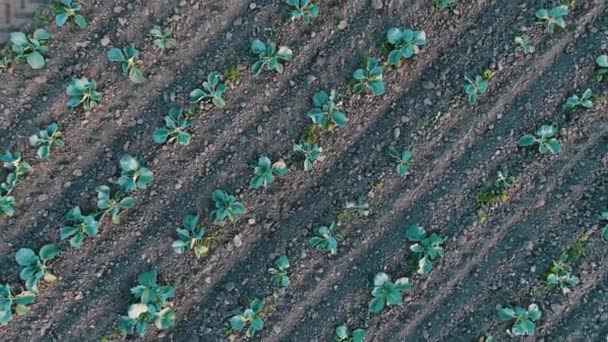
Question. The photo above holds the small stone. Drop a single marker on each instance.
(237, 241)
(427, 102)
(396, 133)
(43, 197)
(377, 4)
(118, 9)
(238, 21)
(529, 246)
(229, 286)
(251, 221)
(342, 25)
(428, 85)
(310, 79)
(252, 6)
(105, 41)
(77, 173)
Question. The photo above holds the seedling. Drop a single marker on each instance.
(604, 232)
(602, 64)
(524, 44)
(326, 239)
(405, 44)
(130, 62)
(560, 274)
(496, 192)
(13, 161)
(584, 100)
(311, 153)
(370, 76)
(552, 17)
(30, 49)
(45, 139)
(212, 91)
(303, 9)
(66, 9)
(134, 175)
(34, 267)
(17, 168)
(386, 292)
(190, 237)
(175, 128)
(82, 226)
(546, 140)
(113, 206)
(162, 37)
(265, 171)
(427, 248)
(7, 204)
(327, 113)
(252, 318)
(443, 4)
(342, 334)
(279, 272)
(153, 306)
(403, 159)
(226, 207)
(83, 92)
(360, 205)
(8, 300)
(524, 319)
(475, 88)
(5, 62)
(269, 56)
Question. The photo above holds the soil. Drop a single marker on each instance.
(457, 148)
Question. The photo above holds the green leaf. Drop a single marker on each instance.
(116, 55)
(377, 304)
(26, 257)
(49, 252)
(415, 233)
(527, 140)
(35, 60)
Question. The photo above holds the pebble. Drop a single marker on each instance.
(237, 241)
(43, 197)
(252, 6)
(377, 4)
(118, 9)
(251, 221)
(396, 133)
(105, 41)
(77, 173)
(342, 25)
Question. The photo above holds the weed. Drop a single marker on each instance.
(341, 334)
(162, 37)
(226, 206)
(327, 112)
(427, 248)
(403, 159)
(212, 91)
(45, 139)
(524, 319)
(360, 205)
(30, 49)
(443, 4)
(584, 100)
(265, 171)
(578, 249)
(312, 133)
(5, 62)
(82, 226)
(191, 237)
(475, 88)
(524, 44)
(66, 9)
(252, 318)
(303, 9)
(130, 62)
(370, 76)
(546, 140)
(560, 274)
(34, 267)
(269, 56)
(386, 292)
(496, 192)
(311, 152)
(8, 299)
(326, 239)
(83, 92)
(175, 128)
(113, 206)
(604, 217)
(278, 273)
(552, 17)
(232, 74)
(405, 44)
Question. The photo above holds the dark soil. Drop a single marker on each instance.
(457, 148)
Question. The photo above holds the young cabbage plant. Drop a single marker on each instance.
(128, 57)
(83, 92)
(82, 226)
(5, 63)
(370, 77)
(265, 171)
(560, 274)
(13, 161)
(269, 56)
(226, 207)
(584, 100)
(426, 249)
(545, 139)
(7, 204)
(552, 17)
(360, 205)
(252, 318)
(190, 237)
(405, 43)
(114, 206)
(386, 292)
(45, 139)
(175, 128)
(134, 175)
(9, 302)
(475, 88)
(327, 113)
(602, 65)
(303, 9)
(403, 159)
(342, 334)
(162, 37)
(154, 305)
(212, 91)
(278, 273)
(68, 9)
(311, 153)
(326, 239)
(443, 4)
(524, 43)
(34, 267)
(30, 49)
(17, 168)
(523, 319)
